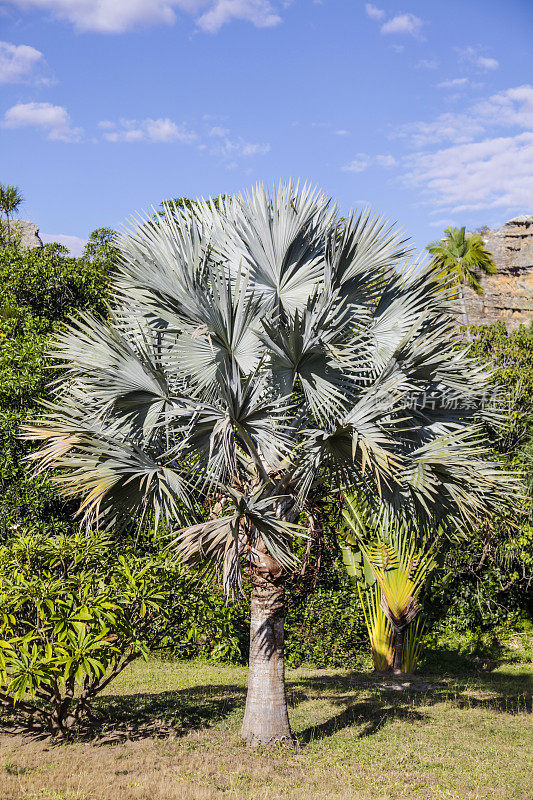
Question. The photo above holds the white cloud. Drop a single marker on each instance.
(165, 131)
(453, 83)
(386, 160)
(373, 12)
(403, 23)
(493, 173)
(363, 161)
(328, 126)
(146, 130)
(358, 164)
(52, 119)
(473, 56)
(443, 223)
(20, 63)
(452, 127)
(218, 131)
(72, 243)
(249, 148)
(487, 63)
(117, 16)
(476, 167)
(509, 108)
(427, 64)
(231, 148)
(259, 12)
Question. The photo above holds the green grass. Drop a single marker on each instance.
(172, 731)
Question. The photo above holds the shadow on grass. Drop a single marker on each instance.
(163, 714)
(115, 718)
(371, 715)
(385, 698)
(450, 661)
(401, 698)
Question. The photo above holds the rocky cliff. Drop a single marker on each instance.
(27, 232)
(508, 295)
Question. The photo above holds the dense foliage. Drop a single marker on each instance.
(486, 579)
(40, 289)
(75, 610)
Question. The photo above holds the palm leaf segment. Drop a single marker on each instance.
(257, 349)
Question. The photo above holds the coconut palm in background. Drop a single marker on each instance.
(10, 200)
(255, 352)
(465, 260)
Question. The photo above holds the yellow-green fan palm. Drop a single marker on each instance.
(395, 566)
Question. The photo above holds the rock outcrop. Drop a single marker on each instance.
(27, 232)
(507, 295)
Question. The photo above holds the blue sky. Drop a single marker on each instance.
(422, 108)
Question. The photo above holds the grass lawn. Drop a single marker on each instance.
(175, 734)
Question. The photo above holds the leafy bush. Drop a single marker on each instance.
(45, 285)
(76, 609)
(510, 353)
(485, 580)
(325, 626)
(40, 289)
(327, 630)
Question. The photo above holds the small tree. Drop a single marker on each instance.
(386, 556)
(101, 246)
(465, 260)
(75, 610)
(258, 350)
(10, 200)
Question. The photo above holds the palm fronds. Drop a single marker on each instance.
(387, 556)
(258, 347)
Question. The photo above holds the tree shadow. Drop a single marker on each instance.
(162, 714)
(368, 700)
(370, 714)
(401, 698)
(451, 661)
(169, 714)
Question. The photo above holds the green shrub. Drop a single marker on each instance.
(485, 580)
(76, 609)
(43, 286)
(327, 630)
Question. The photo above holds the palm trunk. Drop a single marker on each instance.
(398, 651)
(466, 321)
(266, 720)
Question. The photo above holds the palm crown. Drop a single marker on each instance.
(253, 351)
(464, 257)
(10, 200)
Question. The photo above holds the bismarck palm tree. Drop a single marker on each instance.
(256, 351)
(465, 260)
(10, 200)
